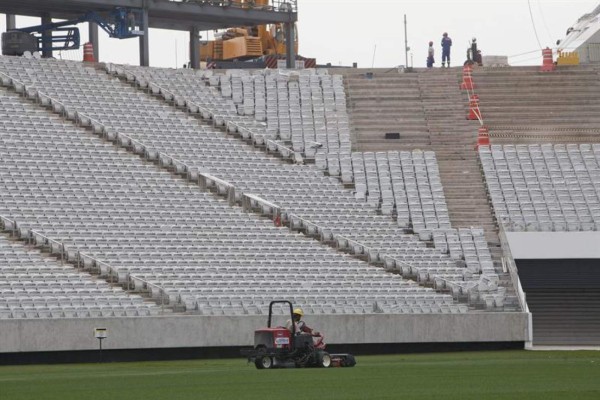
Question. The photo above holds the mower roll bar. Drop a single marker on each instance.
(289, 303)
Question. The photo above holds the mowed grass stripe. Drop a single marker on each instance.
(481, 375)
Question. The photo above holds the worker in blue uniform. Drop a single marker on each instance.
(446, 44)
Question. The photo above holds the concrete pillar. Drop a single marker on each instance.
(144, 40)
(93, 36)
(47, 36)
(290, 34)
(11, 22)
(194, 48)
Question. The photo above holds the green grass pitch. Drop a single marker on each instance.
(482, 375)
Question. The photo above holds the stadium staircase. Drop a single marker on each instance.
(522, 105)
(387, 103)
(433, 101)
(565, 306)
(565, 316)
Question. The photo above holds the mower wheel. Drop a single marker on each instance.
(323, 359)
(263, 362)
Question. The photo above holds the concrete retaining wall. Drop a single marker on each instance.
(37, 335)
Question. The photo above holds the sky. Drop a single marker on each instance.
(371, 32)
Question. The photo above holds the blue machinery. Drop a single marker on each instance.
(122, 23)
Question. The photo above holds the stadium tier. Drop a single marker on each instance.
(158, 233)
(72, 184)
(377, 233)
(544, 187)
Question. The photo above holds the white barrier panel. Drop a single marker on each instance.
(554, 245)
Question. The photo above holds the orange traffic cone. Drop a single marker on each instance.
(474, 112)
(483, 137)
(467, 83)
(548, 62)
(88, 52)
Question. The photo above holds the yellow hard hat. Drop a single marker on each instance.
(298, 311)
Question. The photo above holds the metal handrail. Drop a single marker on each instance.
(161, 290)
(261, 200)
(514, 276)
(60, 244)
(280, 147)
(81, 256)
(164, 90)
(39, 93)
(512, 268)
(13, 223)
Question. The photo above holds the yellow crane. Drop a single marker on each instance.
(245, 43)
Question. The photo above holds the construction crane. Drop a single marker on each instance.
(122, 23)
(247, 43)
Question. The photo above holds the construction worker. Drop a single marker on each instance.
(446, 44)
(303, 329)
(430, 56)
(301, 326)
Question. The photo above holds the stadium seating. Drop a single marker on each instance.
(155, 233)
(144, 78)
(408, 182)
(34, 286)
(302, 192)
(544, 187)
(306, 110)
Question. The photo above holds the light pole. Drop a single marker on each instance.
(405, 43)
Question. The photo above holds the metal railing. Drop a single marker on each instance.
(47, 242)
(270, 144)
(272, 5)
(161, 90)
(13, 224)
(162, 293)
(248, 199)
(111, 272)
(511, 266)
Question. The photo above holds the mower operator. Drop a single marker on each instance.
(301, 327)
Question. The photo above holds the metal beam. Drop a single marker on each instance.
(11, 22)
(195, 48)
(46, 36)
(162, 13)
(93, 36)
(290, 41)
(145, 40)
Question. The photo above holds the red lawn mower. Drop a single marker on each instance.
(280, 347)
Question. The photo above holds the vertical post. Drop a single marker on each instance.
(405, 43)
(195, 47)
(93, 36)
(11, 22)
(144, 40)
(290, 44)
(46, 37)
